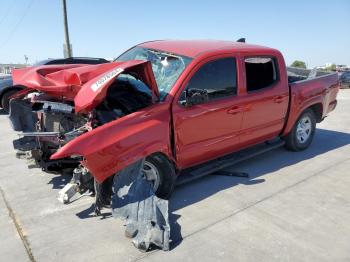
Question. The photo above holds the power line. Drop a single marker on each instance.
(8, 10)
(17, 24)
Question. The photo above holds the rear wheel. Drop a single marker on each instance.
(160, 171)
(303, 132)
(5, 100)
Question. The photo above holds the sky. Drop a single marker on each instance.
(316, 32)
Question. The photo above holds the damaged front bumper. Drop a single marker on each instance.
(43, 127)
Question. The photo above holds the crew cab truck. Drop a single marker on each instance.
(178, 104)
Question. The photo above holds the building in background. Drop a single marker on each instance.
(7, 68)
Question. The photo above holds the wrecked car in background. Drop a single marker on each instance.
(175, 105)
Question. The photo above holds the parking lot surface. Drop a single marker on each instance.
(295, 206)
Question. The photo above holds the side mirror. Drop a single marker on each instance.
(196, 96)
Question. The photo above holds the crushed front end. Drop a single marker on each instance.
(92, 122)
(63, 102)
(44, 127)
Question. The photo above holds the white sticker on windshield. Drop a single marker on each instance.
(105, 78)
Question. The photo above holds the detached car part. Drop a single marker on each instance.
(145, 215)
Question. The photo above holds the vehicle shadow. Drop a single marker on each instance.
(90, 213)
(196, 191)
(2, 112)
(60, 180)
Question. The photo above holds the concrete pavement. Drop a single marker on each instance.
(294, 207)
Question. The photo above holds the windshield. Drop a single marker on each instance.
(166, 67)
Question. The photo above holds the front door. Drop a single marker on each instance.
(209, 129)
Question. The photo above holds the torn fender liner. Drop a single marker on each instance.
(146, 215)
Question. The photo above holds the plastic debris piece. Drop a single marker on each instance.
(146, 215)
(66, 194)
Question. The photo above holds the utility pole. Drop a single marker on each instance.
(67, 50)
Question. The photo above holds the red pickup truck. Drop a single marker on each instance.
(179, 104)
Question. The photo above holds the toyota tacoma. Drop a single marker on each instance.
(177, 104)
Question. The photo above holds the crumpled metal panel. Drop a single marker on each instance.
(146, 215)
(85, 84)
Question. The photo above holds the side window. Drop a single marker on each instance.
(218, 78)
(261, 72)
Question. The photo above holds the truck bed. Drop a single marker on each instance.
(296, 74)
(311, 88)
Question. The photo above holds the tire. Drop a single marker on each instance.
(158, 167)
(299, 138)
(5, 101)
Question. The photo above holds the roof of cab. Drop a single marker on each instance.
(193, 48)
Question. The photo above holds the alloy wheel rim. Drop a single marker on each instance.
(304, 129)
(152, 174)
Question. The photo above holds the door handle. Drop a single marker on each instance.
(278, 99)
(235, 110)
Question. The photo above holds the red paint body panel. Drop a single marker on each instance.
(198, 133)
(115, 145)
(40, 78)
(320, 91)
(206, 131)
(265, 110)
(75, 82)
(88, 98)
(261, 117)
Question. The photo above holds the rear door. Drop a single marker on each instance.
(266, 99)
(208, 130)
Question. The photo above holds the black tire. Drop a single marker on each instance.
(167, 175)
(5, 101)
(293, 141)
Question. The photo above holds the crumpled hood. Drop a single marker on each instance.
(87, 85)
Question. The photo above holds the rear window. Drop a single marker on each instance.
(261, 72)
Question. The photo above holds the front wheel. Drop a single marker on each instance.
(302, 133)
(161, 173)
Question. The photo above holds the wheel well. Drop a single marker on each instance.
(9, 89)
(318, 111)
(170, 161)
